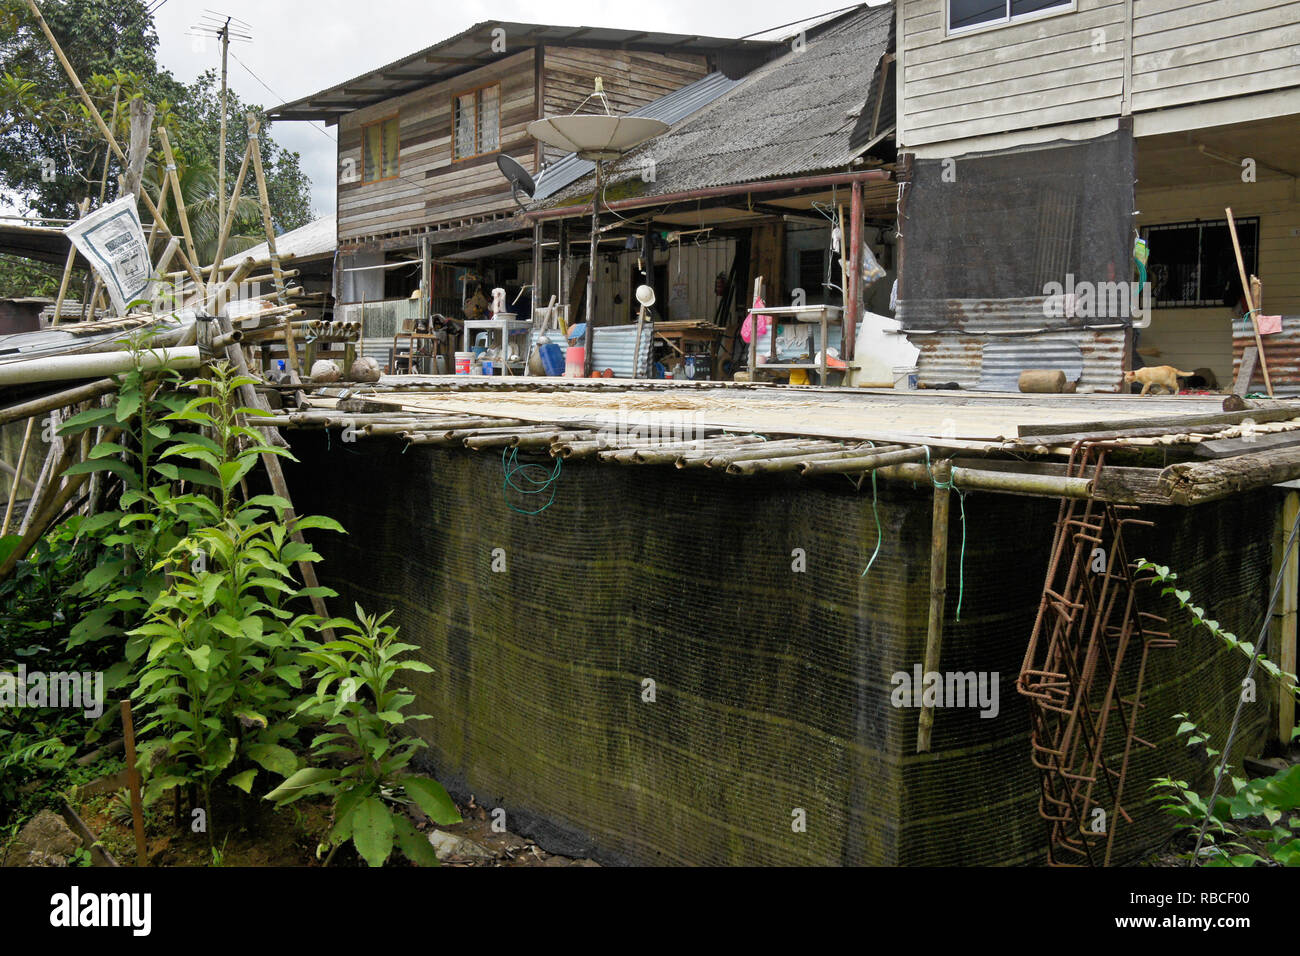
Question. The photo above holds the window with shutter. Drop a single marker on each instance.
(477, 123)
(380, 144)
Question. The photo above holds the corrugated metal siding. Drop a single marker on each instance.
(985, 344)
(613, 348)
(1281, 351)
(996, 316)
(379, 323)
(961, 357)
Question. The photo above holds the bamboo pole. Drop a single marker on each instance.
(37, 527)
(938, 595)
(18, 474)
(228, 220)
(50, 469)
(773, 449)
(83, 208)
(264, 201)
(1250, 301)
(848, 466)
(252, 399)
(47, 403)
(1286, 695)
(174, 178)
(793, 462)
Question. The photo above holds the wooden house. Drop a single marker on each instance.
(1003, 105)
(418, 183)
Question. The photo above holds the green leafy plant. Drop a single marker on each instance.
(1271, 801)
(148, 519)
(360, 701)
(221, 644)
(1232, 819)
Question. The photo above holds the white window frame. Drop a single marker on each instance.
(1007, 20)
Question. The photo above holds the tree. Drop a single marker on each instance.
(52, 155)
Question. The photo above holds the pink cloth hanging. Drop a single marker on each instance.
(764, 322)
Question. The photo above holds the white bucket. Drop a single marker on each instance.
(905, 377)
(463, 362)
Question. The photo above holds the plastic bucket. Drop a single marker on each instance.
(575, 358)
(463, 362)
(552, 359)
(905, 377)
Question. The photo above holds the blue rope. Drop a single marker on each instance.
(535, 476)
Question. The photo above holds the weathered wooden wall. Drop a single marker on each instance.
(431, 189)
(1014, 76)
(1063, 71)
(1187, 52)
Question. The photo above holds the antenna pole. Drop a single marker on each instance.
(591, 277)
(221, 153)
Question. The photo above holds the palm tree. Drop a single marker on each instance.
(199, 188)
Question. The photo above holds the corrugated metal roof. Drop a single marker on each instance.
(807, 111)
(479, 46)
(319, 238)
(673, 108)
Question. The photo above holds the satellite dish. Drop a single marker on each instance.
(645, 295)
(519, 179)
(596, 137)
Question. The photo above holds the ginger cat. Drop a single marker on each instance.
(1164, 376)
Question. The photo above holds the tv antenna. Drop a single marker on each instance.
(226, 29)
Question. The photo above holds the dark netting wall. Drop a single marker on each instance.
(1003, 225)
(772, 688)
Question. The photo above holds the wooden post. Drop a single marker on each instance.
(133, 786)
(563, 268)
(1287, 631)
(592, 275)
(938, 593)
(142, 117)
(1250, 301)
(753, 330)
(853, 303)
(539, 269)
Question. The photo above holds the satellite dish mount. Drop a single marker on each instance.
(520, 181)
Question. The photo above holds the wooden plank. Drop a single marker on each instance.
(1249, 359)
(1231, 447)
(1154, 427)
(1191, 483)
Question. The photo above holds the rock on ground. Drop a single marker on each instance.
(46, 840)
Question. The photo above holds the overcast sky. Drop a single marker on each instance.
(302, 46)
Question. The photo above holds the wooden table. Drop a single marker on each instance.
(821, 315)
(678, 335)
